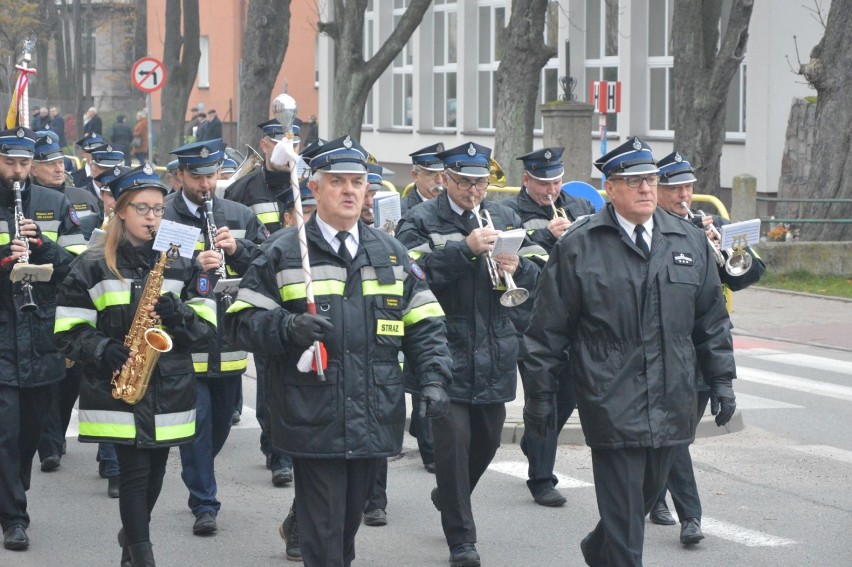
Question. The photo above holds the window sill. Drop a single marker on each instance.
(438, 132)
(396, 130)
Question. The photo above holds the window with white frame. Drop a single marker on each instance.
(549, 88)
(492, 21)
(445, 64)
(601, 63)
(204, 62)
(403, 76)
(369, 27)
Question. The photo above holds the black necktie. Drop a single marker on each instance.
(342, 250)
(639, 231)
(469, 220)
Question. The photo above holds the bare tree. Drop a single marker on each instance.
(353, 76)
(265, 43)
(181, 54)
(523, 56)
(830, 73)
(703, 70)
(140, 30)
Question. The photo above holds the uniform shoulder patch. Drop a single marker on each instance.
(417, 270)
(202, 285)
(72, 214)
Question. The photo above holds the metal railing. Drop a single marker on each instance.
(802, 200)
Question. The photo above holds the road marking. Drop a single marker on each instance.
(248, 421)
(794, 383)
(807, 361)
(739, 534)
(825, 451)
(747, 402)
(519, 470)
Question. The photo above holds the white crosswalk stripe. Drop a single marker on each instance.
(796, 383)
(826, 451)
(519, 470)
(802, 360)
(739, 534)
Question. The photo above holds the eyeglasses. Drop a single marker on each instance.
(465, 184)
(142, 209)
(635, 181)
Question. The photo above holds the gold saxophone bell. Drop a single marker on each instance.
(496, 175)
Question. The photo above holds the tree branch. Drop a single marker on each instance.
(396, 41)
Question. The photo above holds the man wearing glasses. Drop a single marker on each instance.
(630, 298)
(445, 238)
(427, 170)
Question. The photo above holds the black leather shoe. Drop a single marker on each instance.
(289, 532)
(15, 538)
(282, 477)
(377, 517)
(660, 514)
(126, 560)
(590, 555)
(430, 467)
(113, 487)
(464, 555)
(551, 498)
(690, 531)
(205, 524)
(435, 501)
(235, 419)
(50, 464)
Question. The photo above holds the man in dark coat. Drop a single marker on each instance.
(427, 170)
(213, 130)
(56, 124)
(630, 300)
(122, 137)
(93, 123)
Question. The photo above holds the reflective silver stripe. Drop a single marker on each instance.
(264, 208)
(67, 240)
(238, 232)
(534, 224)
(108, 286)
(233, 355)
(175, 286)
(199, 357)
(85, 213)
(179, 418)
(205, 301)
(369, 273)
(256, 299)
(4, 226)
(423, 248)
(90, 315)
(295, 276)
(49, 226)
(534, 250)
(105, 416)
(440, 240)
(420, 298)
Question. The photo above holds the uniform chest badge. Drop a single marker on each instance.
(72, 214)
(416, 270)
(202, 286)
(682, 258)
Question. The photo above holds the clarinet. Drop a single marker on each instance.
(19, 218)
(211, 233)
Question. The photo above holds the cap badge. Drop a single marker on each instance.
(117, 171)
(547, 154)
(637, 145)
(204, 152)
(678, 158)
(20, 133)
(471, 151)
(439, 148)
(347, 142)
(147, 169)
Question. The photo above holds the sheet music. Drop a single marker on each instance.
(386, 207)
(509, 241)
(740, 234)
(171, 232)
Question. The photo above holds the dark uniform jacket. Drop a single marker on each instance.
(87, 209)
(94, 307)
(535, 217)
(412, 198)
(630, 329)
(262, 192)
(218, 357)
(28, 356)
(80, 177)
(481, 334)
(378, 305)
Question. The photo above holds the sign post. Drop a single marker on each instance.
(148, 75)
(605, 96)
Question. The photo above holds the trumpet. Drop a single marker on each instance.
(514, 295)
(558, 212)
(738, 261)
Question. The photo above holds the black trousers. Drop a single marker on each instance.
(329, 500)
(378, 499)
(681, 483)
(627, 483)
(59, 415)
(466, 439)
(22, 412)
(421, 429)
(141, 479)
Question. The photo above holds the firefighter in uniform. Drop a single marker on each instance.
(30, 363)
(218, 365)
(427, 170)
(444, 236)
(81, 177)
(546, 212)
(371, 302)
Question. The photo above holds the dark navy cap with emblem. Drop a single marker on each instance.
(633, 157)
(17, 142)
(228, 166)
(544, 164)
(172, 166)
(428, 159)
(272, 128)
(106, 177)
(142, 177)
(106, 156)
(86, 143)
(469, 159)
(305, 194)
(201, 158)
(374, 177)
(675, 170)
(47, 150)
(342, 155)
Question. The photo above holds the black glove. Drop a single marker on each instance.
(723, 401)
(115, 355)
(304, 329)
(433, 401)
(168, 309)
(540, 414)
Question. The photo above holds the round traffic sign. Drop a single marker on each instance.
(148, 74)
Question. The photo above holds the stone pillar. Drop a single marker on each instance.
(569, 124)
(744, 198)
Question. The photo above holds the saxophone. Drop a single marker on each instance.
(145, 339)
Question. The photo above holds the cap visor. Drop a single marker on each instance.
(472, 171)
(17, 153)
(204, 169)
(346, 167)
(638, 169)
(108, 162)
(548, 175)
(679, 179)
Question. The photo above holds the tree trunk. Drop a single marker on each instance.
(830, 72)
(140, 30)
(264, 45)
(702, 75)
(54, 24)
(88, 63)
(354, 77)
(42, 48)
(181, 55)
(77, 68)
(517, 84)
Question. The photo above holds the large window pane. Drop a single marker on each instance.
(439, 38)
(611, 28)
(485, 35)
(451, 100)
(656, 28)
(593, 29)
(658, 99)
(499, 27)
(409, 100)
(732, 105)
(438, 98)
(397, 99)
(452, 33)
(484, 99)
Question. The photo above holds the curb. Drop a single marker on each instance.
(802, 294)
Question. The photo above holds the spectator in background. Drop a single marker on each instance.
(193, 122)
(56, 124)
(122, 137)
(70, 127)
(139, 144)
(39, 119)
(313, 132)
(213, 130)
(92, 122)
(201, 128)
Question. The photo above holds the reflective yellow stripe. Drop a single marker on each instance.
(4, 239)
(238, 306)
(414, 254)
(254, 299)
(51, 234)
(199, 246)
(204, 308)
(109, 293)
(269, 218)
(107, 424)
(234, 365)
(372, 287)
(417, 314)
(200, 367)
(69, 317)
(323, 287)
(77, 249)
(170, 426)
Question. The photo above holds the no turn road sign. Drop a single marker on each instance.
(148, 74)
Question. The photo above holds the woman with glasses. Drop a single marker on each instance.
(96, 306)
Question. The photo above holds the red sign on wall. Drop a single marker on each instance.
(605, 96)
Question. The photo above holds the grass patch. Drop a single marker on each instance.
(835, 286)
